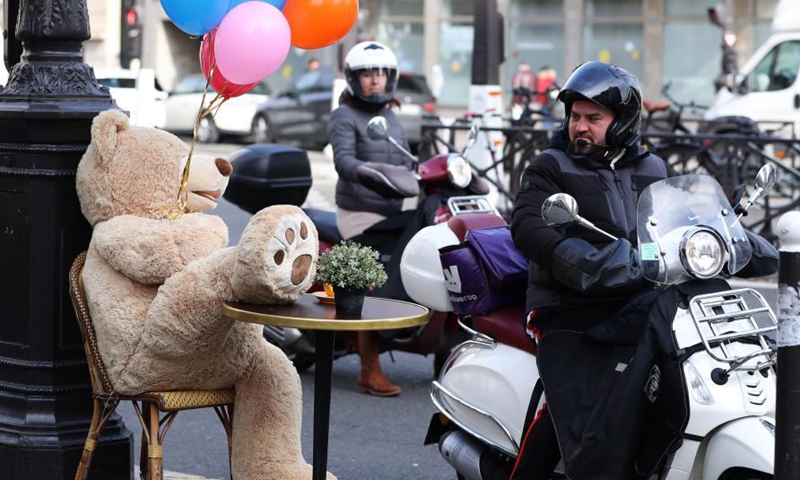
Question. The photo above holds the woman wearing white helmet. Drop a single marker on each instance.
(371, 74)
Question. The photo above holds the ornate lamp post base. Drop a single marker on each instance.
(46, 112)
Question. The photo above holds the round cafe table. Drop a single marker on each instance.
(308, 313)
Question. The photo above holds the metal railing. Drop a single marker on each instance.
(733, 159)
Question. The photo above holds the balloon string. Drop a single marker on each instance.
(176, 210)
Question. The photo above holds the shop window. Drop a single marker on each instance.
(521, 8)
(407, 41)
(537, 45)
(691, 59)
(456, 8)
(614, 8)
(616, 43)
(402, 8)
(455, 57)
(698, 8)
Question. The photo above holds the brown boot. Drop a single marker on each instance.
(372, 380)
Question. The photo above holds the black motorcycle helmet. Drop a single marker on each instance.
(612, 88)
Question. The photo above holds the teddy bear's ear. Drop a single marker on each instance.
(105, 131)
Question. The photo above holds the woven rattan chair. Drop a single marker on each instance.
(149, 406)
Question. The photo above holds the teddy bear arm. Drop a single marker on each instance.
(150, 251)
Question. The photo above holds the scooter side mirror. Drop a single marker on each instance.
(765, 179)
(377, 129)
(560, 209)
(471, 137)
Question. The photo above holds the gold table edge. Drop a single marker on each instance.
(330, 324)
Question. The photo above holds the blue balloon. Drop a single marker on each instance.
(275, 3)
(196, 17)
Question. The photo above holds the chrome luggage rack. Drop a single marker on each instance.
(722, 318)
(470, 204)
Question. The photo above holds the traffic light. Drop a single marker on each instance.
(130, 33)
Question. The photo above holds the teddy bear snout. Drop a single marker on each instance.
(300, 268)
(224, 167)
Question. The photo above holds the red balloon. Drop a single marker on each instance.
(218, 82)
(319, 23)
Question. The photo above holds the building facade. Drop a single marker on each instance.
(658, 40)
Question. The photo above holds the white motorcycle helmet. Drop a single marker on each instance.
(369, 56)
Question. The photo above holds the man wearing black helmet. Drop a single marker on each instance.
(578, 279)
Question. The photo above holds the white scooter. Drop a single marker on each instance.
(483, 391)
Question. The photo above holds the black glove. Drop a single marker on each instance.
(390, 181)
(764, 260)
(613, 269)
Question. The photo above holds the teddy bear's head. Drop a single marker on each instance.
(276, 256)
(130, 170)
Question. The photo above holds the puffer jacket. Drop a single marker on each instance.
(352, 146)
(572, 266)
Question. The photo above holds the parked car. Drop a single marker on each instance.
(136, 91)
(300, 114)
(235, 117)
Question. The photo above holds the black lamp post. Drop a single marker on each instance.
(46, 111)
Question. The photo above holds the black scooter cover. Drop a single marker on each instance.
(616, 392)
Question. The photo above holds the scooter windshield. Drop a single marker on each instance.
(670, 208)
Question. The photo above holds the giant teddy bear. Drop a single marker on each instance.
(155, 288)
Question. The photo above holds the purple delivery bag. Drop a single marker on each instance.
(506, 268)
(467, 277)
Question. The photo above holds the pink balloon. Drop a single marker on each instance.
(218, 82)
(252, 41)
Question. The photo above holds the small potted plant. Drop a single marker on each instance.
(351, 268)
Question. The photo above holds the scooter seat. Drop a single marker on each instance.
(653, 107)
(461, 224)
(325, 222)
(507, 326)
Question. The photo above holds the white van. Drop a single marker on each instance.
(136, 91)
(767, 87)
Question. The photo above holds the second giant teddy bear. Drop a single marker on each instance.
(155, 288)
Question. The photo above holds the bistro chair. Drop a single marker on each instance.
(149, 406)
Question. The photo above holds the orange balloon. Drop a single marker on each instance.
(319, 23)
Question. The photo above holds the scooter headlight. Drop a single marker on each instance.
(702, 253)
(459, 170)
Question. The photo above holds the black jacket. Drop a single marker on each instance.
(352, 146)
(574, 266)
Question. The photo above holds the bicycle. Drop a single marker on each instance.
(669, 136)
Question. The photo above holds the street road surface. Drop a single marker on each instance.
(370, 438)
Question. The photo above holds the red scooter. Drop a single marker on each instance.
(445, 187)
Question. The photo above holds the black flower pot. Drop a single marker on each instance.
(349, 301)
